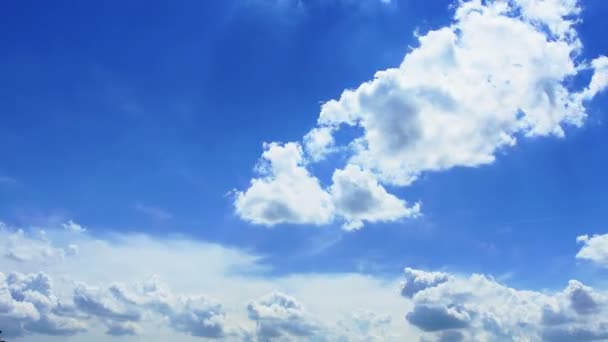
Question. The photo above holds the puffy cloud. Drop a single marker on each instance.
(318, 142)
(497, 73)
(556, 15)
(201, 290)
(279, 316)
(199, 317)
(465, 92)
(437, 318)
(358, 197)
(437, 306)
(418, 280)
(28, 305)
(581, 298)
(104, 303)
(73, 227)
(286, 192)
(595, 249)
(122, 307)
(479, 308)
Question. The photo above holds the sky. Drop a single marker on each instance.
(304, 170)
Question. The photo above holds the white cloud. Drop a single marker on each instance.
(358, 197)
(73, 227)
(196, 289)
(19, 248)
(555, 14)
(318, 142)
(595, 249)
(465, 92)
(286, 192)
(191, 290)
(28, 305)
(599, 79)
(418, 280)
(498, 72)
(279, 316)
(200, 317)
(478, 308)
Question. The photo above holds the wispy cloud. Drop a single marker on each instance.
(155, 213)
(6, 180)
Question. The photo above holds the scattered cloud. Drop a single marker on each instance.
(193, 290)
(197, 289)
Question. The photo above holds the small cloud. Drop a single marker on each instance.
(73, 227)
(595, 249)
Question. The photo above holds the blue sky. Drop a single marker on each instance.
(146, 120)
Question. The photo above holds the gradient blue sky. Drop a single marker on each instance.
(144, 116)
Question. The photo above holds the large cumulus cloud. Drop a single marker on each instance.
(478, 308)
(498, 73)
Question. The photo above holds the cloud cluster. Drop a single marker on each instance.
(123, 307)
(180, 303)
(201, 291)
(478, 308)
(28, 305)
(500, 71)
(280, 317)
(288, 193)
